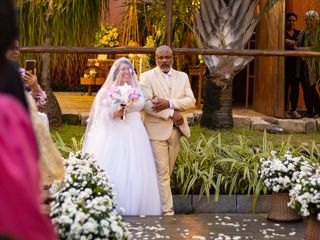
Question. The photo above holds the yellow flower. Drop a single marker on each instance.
(150, 41)
(107, 37)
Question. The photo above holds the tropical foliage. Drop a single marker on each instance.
(217, 30)
(130, 26)
(61, 23)
(152, 21)
(56, 23)
(210, 166)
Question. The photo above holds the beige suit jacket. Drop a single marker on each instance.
(153, 83)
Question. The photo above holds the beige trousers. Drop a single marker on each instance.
(165, 154)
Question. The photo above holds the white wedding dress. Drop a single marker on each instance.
(123, 149)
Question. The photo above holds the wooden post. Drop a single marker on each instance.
(268, 94)
(168, 6)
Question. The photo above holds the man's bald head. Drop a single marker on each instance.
(164, 58)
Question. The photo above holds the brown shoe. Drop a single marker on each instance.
(295, 115)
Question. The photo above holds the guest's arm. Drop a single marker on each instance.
(37, 93)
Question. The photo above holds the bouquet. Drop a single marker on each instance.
(278, 172)
(124, 96)
(305, 194)
(83, 206)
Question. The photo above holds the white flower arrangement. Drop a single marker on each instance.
(277, 171)
(83, 206)
(305, 194)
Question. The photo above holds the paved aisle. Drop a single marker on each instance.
(213, 226)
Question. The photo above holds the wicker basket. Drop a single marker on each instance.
(280, 212)
(313, 228)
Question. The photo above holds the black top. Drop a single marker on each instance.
(291, 61)
(11, 82)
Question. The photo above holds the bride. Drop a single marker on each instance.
(117, 138)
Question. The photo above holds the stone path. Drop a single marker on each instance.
(213, 226)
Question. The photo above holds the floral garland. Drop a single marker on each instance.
(83, 206)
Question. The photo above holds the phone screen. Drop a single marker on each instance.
(30, 65)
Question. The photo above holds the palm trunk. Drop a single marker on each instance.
(217, 104)
(51, 108)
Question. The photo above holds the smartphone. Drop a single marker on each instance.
(30, 65)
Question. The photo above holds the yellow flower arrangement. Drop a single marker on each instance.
(107, 37)
(149, 41)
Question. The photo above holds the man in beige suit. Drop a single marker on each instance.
(167, 93)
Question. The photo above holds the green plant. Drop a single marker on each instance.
(210, 166)
(67, 148)
(204, 167)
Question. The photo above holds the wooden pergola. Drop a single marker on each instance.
(269, 69)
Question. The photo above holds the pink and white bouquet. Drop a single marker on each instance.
(124, 96)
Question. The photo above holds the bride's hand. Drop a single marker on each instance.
(119, 114)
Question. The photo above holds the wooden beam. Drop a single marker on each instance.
(179, 51)
(168, 6)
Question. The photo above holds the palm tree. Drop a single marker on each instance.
(224, 24)
(59, 22)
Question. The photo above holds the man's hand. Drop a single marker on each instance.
(160, 104)
(177, 118)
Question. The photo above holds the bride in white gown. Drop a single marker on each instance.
(118, 139)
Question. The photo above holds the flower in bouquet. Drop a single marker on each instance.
(83, 206)
(305, 194)
(277, 172)
(107, 37)
(124, 95)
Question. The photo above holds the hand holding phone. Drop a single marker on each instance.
(30, 65)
